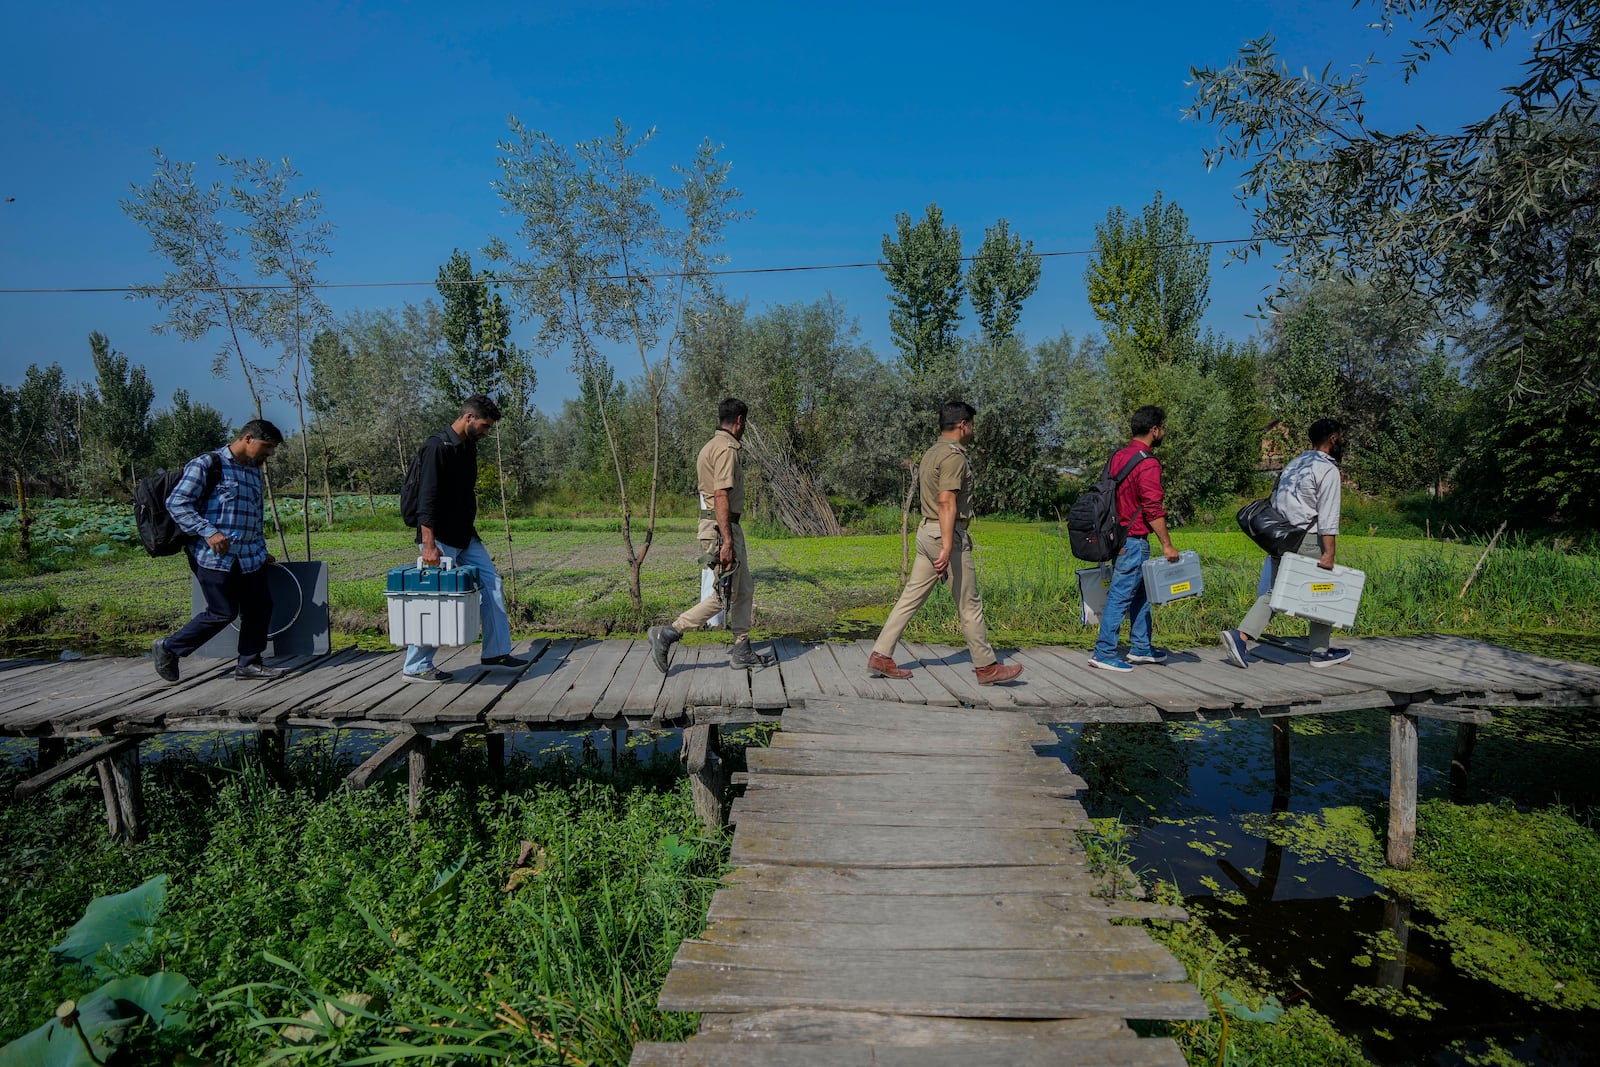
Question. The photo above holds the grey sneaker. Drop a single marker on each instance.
(1233, 644)
(744, 657)
(662, 638)
(166, 662)
(432, 674)
(1330, 657)
(1155, 655)
(256, 672)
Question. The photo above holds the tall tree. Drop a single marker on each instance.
(184, 431)
(117, 411)
(1003, 275)
(922, 263)
(288, 238)
(611, 255)
(1148, 280)
(1452, 213)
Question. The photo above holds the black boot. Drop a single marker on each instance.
(744, 657)
(662, 638)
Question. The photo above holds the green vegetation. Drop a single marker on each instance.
(537, 923)
(567, 581)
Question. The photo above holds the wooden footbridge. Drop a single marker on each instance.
(910, 886)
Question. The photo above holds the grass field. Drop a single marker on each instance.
(570, 577)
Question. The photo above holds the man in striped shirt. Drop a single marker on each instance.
(229, 553)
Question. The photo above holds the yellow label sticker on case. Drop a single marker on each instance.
(1181, 587)
(1322, 587)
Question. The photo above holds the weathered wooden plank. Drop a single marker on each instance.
(952, 669)
(578, 702)
(642, 695)
(1150, 962)
(799, 682)
(693, 987)
(866, 788)
(851, 662)
(65, 769)
(393, 700)
(1070, 877)
(1446, 713)
(993, 1052)
(613, 702)
(829, 717)
(1414, 671)
(789, 1024)
(837, 813)
(63, 693)
(898, 846)
(528, 701)
(831, 681)
(706, 680)
(674, 695)
(1579, 674)
(103, 709)
(896, 743)
(929, 691)
(766, 686)
(796, 760)
(1076, 676)
(385, 759)
(1490, 665)
(975, 929)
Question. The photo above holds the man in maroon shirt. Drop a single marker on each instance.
(1140, 509)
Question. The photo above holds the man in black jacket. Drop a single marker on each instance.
(447, 507)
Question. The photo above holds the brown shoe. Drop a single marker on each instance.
(881, 666)
(995, 673)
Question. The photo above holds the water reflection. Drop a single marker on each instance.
(1243, 817)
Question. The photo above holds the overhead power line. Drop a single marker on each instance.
(156, 290)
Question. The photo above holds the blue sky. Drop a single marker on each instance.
(835, 117)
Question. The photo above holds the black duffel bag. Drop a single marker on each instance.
(1267, 527)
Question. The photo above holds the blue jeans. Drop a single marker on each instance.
(496, 627)
(1126, 600)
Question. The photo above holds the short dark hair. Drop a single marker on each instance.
(1146, 419)
(1323, 429)
(955, 411)
(731, 411)
(481, 406)
(262, 430)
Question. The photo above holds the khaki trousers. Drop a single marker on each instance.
(1260, 614)
(963, 590)
(743, 596)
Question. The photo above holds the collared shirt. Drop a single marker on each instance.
(1309, 492)
(1140, 497)
(720, 466)
(233, 508)
(946, 469)
(447, 488)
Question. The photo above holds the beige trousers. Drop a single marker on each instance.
(963, 590)
(741, 610)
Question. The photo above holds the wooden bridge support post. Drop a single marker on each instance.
(52, 750)
(417, 776)
(1402, 788)
(1280, 762)
(272, 749)
(130, 792)
(108, 792)
(619, 742)
(494, 751)
(706, 780)
(1397, 917)
(1461, 759)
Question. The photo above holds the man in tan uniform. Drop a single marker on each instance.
(720, 469)
(944, 551)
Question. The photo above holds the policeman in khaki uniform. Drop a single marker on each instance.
(721, 474)
(944, 551)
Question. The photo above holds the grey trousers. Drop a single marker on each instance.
(1255, 621)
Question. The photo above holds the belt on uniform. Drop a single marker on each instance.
(961, 524)
(733, 517)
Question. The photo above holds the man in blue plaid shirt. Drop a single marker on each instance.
(229, 554)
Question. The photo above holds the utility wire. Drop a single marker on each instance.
(161, 290)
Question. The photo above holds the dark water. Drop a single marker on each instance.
(1192, 794)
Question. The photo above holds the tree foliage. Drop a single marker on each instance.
(922, 263)
(116, 412)
(184, 431)
(610, 255)
(1001, 277)
(1148, 280)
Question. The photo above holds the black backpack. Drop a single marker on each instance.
(411, 488)
(158, 532)
(1093, 529)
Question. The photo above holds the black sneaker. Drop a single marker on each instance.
(166, 662)
(256, 672)
(505, 661)
(744, 657)
(432, 674)
(1330, 657)
(662, 638)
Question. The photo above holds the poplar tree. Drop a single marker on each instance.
(1003, 275)
(922, 264)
